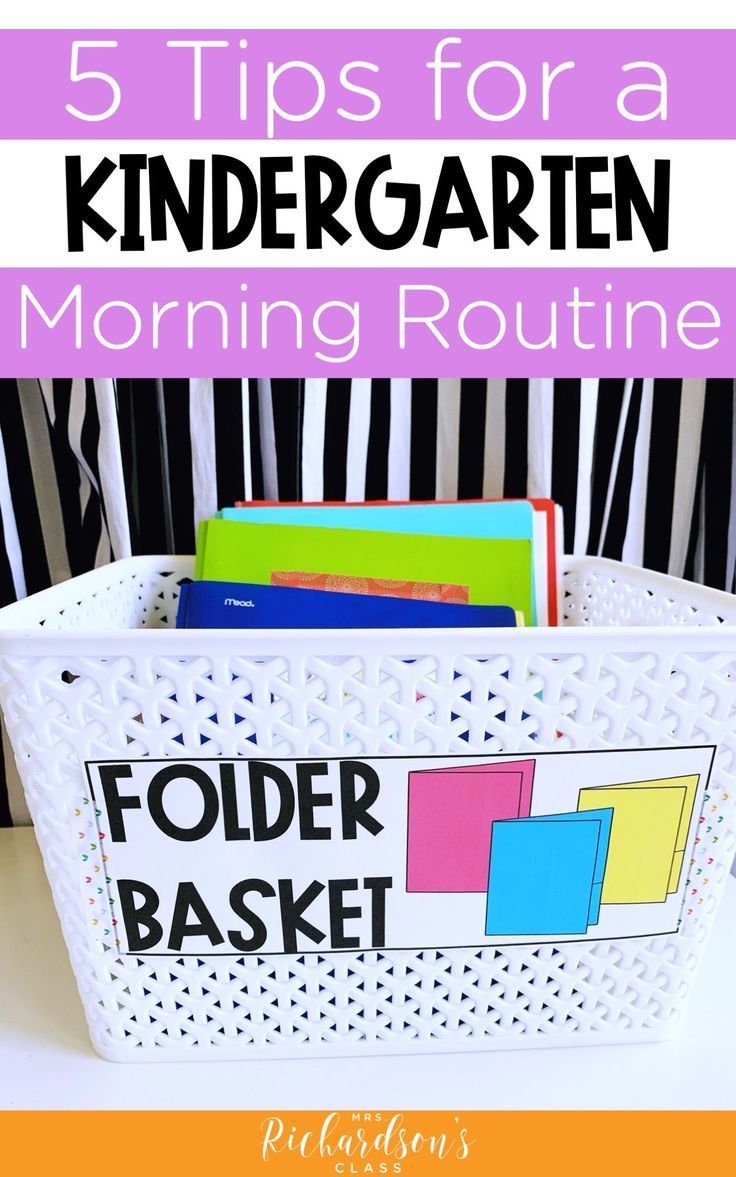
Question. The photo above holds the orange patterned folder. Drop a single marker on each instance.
(456, 594)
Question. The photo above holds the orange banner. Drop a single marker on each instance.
(350, 1144)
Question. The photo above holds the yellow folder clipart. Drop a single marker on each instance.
(649, 834)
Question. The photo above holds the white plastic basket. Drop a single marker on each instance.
(92, 669)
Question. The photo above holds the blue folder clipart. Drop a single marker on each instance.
(546, 873)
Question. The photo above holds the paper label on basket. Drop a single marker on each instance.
(218, 857)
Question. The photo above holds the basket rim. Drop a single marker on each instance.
(21, 621)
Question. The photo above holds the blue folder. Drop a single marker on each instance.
(541, 878)
(208, 604)
(503, 520)
(605, 818)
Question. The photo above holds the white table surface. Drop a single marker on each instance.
(46, 1060)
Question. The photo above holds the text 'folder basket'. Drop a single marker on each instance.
(93, 670)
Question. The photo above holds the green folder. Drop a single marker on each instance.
(495, 571)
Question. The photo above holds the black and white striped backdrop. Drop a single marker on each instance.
(93, 470)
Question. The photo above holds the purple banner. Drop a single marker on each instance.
(372, 84)
(368, 322)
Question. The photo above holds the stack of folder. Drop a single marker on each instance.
(376, 565)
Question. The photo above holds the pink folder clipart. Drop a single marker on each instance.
(451, 811)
